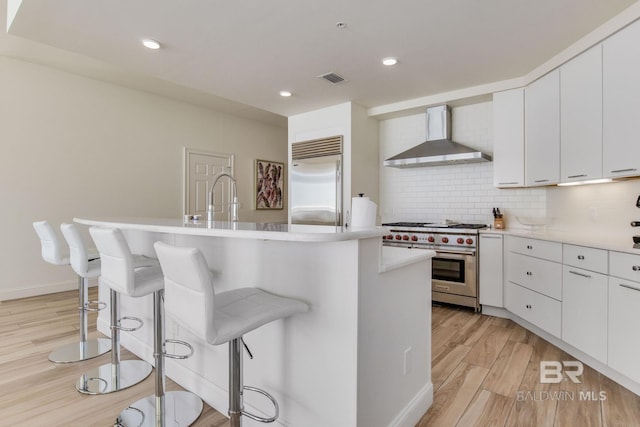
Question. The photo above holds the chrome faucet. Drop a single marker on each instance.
(233, 206)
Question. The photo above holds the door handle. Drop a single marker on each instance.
(580, 274)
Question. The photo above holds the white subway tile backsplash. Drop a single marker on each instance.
(458, 192)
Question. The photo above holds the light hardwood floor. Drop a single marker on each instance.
(480, 364)
(485, 372)
(35, 392)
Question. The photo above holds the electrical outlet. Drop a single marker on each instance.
(408, 361)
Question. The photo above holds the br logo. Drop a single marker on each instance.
(553, 372)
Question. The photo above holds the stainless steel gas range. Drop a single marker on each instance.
(455, 266)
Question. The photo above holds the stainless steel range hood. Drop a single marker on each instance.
(438, 149)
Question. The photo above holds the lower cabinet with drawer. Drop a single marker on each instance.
(536, 274)
(584, 311)
(535, 308)
(624, 314)
(624, 319)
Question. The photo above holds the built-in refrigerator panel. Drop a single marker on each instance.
(316, 190)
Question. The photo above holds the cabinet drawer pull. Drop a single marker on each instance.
(543, 180)
(624, 170)
(633, 288)
(490, 237)
(529, 247)
(529, 273)
(636, 268)
(528, 306)
(508, 183)
(580, 274)
(580, 256)
(582, 175)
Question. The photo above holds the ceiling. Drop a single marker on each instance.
(239, 55)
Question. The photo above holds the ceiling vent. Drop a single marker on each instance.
(332, 78)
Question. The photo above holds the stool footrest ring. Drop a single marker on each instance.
(256, 417)
(94, 306)
(179, 356)
(135, 328)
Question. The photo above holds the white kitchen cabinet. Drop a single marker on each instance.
(587, 258)
(621, 102)
(536, 274)
(508, 138)
(544, 249)
(624, 315)
(584, 311)
(535, 308)
(533, 285)
(542, 130)
(624, 318)
(581, 117)
(490, 270)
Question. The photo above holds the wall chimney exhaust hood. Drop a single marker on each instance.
(438, 149)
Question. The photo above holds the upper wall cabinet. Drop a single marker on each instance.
(581, 117)
(621, 103)
(542, 130)
(508, 138)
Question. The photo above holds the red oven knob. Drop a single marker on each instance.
(445, 240)
(398, 237)
(469, 241)
(405, 237)
(431, 239)
(460, 240)
(414, 238)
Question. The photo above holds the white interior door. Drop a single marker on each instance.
(200, 167)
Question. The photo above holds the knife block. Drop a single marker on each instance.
(498, 223)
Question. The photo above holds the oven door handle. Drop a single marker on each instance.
(463, 253)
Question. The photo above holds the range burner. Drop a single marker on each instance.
(435, 225)
(405, 224)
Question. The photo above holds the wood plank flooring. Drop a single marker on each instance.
(485, 372)
(35, 392)
(480, 365)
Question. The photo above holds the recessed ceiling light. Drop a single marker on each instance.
(285, 93)
(389, 61)
(150, 43)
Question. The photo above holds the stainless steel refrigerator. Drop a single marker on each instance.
(316, 190)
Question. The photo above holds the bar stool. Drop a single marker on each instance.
(220, 318)
(121, 275)
(133, 275)
(54, 252)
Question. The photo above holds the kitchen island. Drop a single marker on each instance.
(361, 356)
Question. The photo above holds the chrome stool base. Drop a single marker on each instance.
(79, 351)
(110, 378)
(181, 408)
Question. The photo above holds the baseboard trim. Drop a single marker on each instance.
(415, 410)
(34, 291)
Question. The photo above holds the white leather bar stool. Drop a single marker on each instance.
(56, 253)
(133, 275)
(220, 318)
(119, 272)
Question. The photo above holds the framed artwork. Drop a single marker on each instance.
(269, 185)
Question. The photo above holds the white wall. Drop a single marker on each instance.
(456, 192)
(73, 147)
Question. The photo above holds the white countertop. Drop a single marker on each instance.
(392, 258)
(241, 230)
(573, 238)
